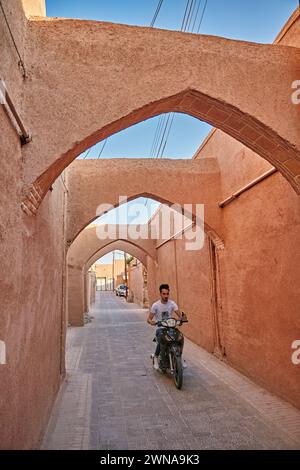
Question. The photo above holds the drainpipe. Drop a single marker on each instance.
(9, 107)
(237, 193)
(176, 271)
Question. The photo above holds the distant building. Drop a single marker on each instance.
(109, 275)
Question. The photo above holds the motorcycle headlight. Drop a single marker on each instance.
(171, 322)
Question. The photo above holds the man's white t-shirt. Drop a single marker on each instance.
(163, 311)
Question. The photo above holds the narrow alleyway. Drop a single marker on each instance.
(113, 399)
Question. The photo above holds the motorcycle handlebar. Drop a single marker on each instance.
(159, 323)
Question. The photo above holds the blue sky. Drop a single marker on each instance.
(252, 20)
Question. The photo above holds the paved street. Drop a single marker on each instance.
(113, 399)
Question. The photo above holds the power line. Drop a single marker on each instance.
(184, 15)
(88, 151)
(161, 118)
(192, 14)
(188, 15)
(165, 122)
(156, 135)
(161, 144)
(186, 23)
(196, 16)
(156, 13)
(163, 135)
(21, 63)
(202, 17)
(171, 123)
(161, 121)
(101, 151)
(160, 133)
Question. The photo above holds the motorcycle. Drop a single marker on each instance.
(172, 341)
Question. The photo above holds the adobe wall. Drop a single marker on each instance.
(136, 282)
(189, 278)
(90, 281)
(32, 250)
(91, 192)
(31, 257)
(86, 249)
(75, 296)
(260, 269)
(290, 33)
(194, 293)
(230, 84)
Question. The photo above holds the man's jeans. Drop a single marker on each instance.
(159, 347)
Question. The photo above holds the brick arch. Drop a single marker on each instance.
(122, 245)
(114, 245)
(87, 244)
(84, 249)
(177, 182)
(128, 74)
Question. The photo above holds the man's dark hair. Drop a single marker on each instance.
(164, 286)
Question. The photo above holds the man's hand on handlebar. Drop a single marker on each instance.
(184, 317)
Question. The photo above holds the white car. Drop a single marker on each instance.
(121, 290)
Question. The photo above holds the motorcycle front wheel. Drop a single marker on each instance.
(178, 372)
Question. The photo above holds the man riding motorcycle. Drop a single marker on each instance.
(162, 309)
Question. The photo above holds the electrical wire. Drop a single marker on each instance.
(184, 15)
(185, 26)
(88, 151)
(157, 134)
(101, 151)
(156, 13)
(202, 17)
(165, 121)
(159, 144)
(192, 14)
(196, 16)
(21, 63)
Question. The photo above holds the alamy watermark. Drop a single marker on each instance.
(296, 93)
(2, 92)
(175, 221)
(2, 353)
(296, 353)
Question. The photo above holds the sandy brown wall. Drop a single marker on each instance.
(290, 33)
(195, 293)
(136, 281)
(31, 256)
(189, 276)
(260, 273)
(31, 323)
(260, 305)
(259, 269)
(89, 289)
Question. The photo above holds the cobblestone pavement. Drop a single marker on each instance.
(113, 399)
